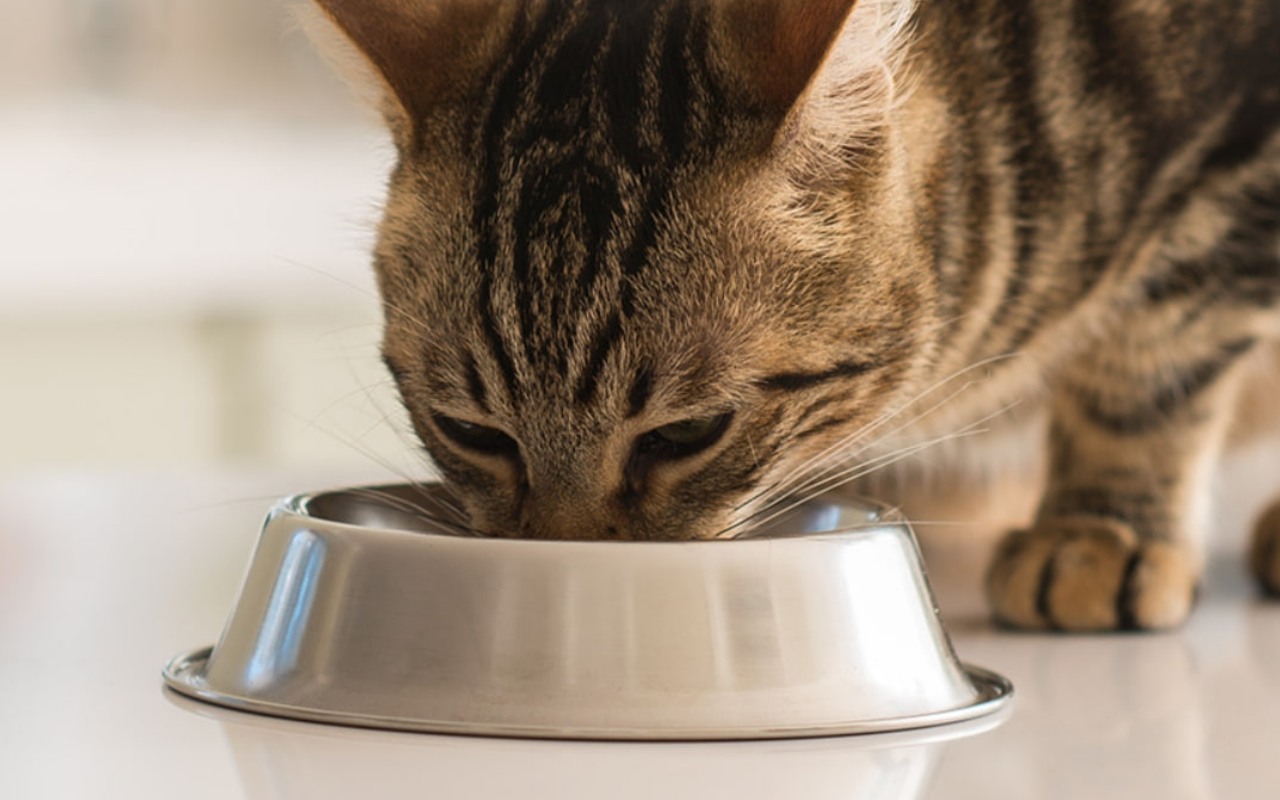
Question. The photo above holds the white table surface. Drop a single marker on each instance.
(104, 578)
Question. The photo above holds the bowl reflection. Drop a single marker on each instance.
(286, 760)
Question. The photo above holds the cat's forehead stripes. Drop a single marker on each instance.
(641, 390)
(582, 130)
(799, 380)
(475, 385)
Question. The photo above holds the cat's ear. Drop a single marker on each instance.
(784, 50)
(421, 54)
(776, 46)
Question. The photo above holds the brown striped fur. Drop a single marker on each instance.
(835, 232)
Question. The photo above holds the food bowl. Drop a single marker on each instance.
(356, 610)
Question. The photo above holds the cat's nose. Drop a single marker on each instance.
(582, 521)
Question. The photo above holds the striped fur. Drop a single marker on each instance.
(844, 230)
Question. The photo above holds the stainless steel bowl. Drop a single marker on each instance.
(356, 611)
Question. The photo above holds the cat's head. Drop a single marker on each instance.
(641, 260)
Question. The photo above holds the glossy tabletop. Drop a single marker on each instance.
(103, 578)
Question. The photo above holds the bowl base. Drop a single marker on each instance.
(185, 674)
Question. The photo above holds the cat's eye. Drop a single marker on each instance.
(684, 438)
(473, 436)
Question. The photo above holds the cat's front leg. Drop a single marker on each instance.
(1116, 540)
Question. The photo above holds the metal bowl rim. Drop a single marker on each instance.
(888, 521)
(184, 675)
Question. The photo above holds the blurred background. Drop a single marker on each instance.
(187, 200)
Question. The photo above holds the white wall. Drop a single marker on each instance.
(186, 212)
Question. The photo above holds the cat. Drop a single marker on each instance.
(653, 269)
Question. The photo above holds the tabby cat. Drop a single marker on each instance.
(654, 268)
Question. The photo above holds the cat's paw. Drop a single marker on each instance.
(1089, 574)
(1264, 554)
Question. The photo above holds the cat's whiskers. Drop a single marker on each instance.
(839, 450)
(387, 304)
(454, 504)
(854, 472)
(364, 390)
(840, 447)
(814, 470)
(874, 524)
(456, 516)
(770, 511)
(450, 513)
(383, 419)
(452, 522)
(755, 458)
(817, 470)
